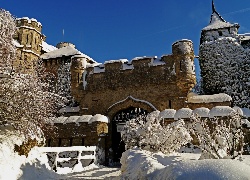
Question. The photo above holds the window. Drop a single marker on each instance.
(180, 66)
(78, 76)
(82, 141)
(49, 143)
(170, 104)
(220, 33)
(71, 142)
(60, 142)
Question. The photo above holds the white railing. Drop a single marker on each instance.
(72, 149)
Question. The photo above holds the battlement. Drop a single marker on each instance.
(175, 68)
(28, 23)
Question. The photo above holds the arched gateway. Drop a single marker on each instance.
(121, 112)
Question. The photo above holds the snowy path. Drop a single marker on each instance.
(96, 173)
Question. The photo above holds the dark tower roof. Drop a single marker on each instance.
(217, 22)
(214, 12)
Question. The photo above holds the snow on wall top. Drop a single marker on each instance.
(201, 112)
(115, 61)
(100, 118)
(220, 111)
(84, 118)
(221, 97)
(183, 113)
(47, 48)
(217, 22)
(126, 64)
(64, 51)
(29, 20)
(167, 113)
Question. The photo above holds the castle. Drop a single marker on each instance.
(119, 89)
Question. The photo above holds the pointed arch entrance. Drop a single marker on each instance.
(121, 112)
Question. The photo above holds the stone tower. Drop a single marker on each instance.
(183, 53)
(78, 65)
(28, 40)
(218, 27)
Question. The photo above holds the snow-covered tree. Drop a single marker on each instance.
(63, 80)
(218, 138)
(150, 135)
(7, 49)
(225, 68)
(27, 101)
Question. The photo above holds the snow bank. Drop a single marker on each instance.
(139, 164)
(183, 113)
(195, 98)
(220, 111)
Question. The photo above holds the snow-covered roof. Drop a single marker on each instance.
(220, 111)
(47, 48)
(183, 113)
(221, 97)
(217, 22)
(64, 51)
(167, 113)
(201, 112)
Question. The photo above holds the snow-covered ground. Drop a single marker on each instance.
(136, 164)
(139, 164)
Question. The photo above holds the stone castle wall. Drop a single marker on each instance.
(164, 82)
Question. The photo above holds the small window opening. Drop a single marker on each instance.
(82, 141)
(220, 33)
(71, 142)
(170, 104)
(60, 142)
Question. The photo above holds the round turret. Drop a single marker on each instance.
(64, 44)
(184, 46)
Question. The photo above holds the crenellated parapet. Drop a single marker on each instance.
(26, 22)
(177, 67)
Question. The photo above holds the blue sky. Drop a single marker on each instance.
(118, 29)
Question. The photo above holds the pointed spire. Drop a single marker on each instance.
(215, 13)
(213, 7)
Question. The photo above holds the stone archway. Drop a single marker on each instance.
(130, 101)
(119, 113)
